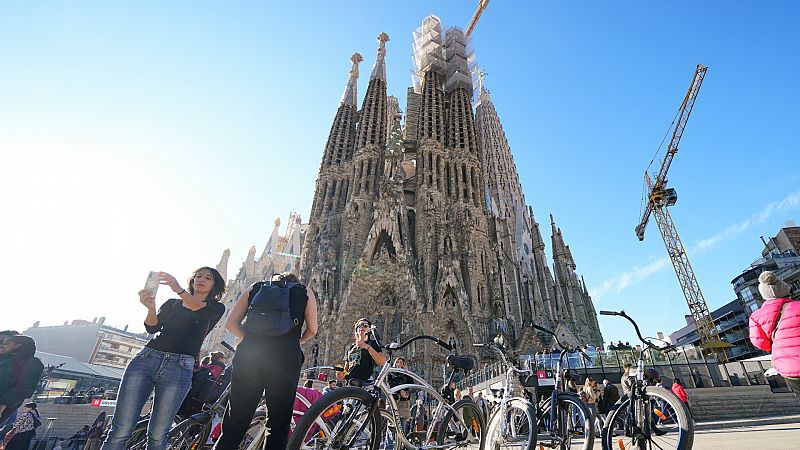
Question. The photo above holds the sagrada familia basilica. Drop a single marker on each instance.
(420, 223)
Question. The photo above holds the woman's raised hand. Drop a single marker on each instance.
(148, 299)
(170, 281)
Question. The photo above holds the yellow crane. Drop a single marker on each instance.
(659, 198)
(482, 4)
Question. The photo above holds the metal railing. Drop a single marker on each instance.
(688, 363)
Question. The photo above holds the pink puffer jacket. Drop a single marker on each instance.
(786, 346)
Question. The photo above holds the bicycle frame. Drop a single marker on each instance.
(638, 389)
(558, 390)
(382, 386)
(511, 370)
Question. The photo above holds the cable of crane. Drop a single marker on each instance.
(671, 126)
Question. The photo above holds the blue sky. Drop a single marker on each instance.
(150, 136)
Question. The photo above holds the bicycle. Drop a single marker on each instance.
(650, 416)
(354, 417)
(513, 424)
(569, 424)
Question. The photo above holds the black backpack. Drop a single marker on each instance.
(270, 312)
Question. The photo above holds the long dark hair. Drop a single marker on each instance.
(219, 284)
(27, 346)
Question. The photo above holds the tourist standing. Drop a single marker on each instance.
(680, 392)
(363, 356)
(590, 394)
(403, 397)
(20, 372)
(24, 428)
(418, 415)
(268, 358)
(775, 328)
(166, 363)
(482, 405)
(610, 397)
(331, 386)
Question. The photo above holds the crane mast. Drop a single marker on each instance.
(482, 4)
(659, 198)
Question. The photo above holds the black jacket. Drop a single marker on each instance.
(18, 379)
(610, 396)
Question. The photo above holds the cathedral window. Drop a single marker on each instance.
(400, 228)
(447, 180)
(464, 182)
(450, 299)
(412, 242)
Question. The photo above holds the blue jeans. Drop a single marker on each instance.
(170, 374)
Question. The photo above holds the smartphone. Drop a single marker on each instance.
(153, 279)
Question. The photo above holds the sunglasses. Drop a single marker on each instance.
(362, 325)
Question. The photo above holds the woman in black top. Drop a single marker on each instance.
(166, 363)
(362, 356)
(265, 364)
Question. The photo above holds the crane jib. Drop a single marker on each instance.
(659, 198)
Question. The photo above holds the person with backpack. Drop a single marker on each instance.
(268, 318)
(166, 363)
(19, 438)
(20, 372)
(775, 328)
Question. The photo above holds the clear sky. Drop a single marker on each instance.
(152, 136)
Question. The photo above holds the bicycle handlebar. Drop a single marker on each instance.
(564, 348)
(395, 346)
(636, 327)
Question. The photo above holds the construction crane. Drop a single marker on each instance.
(482, 4)
(659, 198)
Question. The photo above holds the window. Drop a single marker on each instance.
(747, 295)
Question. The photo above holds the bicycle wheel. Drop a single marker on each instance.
(519, 430)
(342, 418)
(190, 434)
(138, 440)
(660, 422)
(463, 425)
(573, 429)
(255, 435)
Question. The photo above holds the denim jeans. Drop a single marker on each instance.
(170, 374)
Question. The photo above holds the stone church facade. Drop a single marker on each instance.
(421, 225)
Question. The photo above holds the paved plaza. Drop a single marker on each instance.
(773, 437)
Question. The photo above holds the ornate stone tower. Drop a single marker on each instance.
(422, 226)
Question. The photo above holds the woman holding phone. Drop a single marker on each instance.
(166, 363)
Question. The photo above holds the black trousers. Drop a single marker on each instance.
(269, 366)
(21, 441)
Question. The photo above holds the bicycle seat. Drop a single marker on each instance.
(461, 361)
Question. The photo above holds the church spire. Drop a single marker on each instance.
(372, 123)
(379, 69)
(350, 96)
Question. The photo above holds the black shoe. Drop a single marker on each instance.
(658, 432)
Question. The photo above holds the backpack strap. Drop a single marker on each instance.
(778, 321)
(254, 290)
